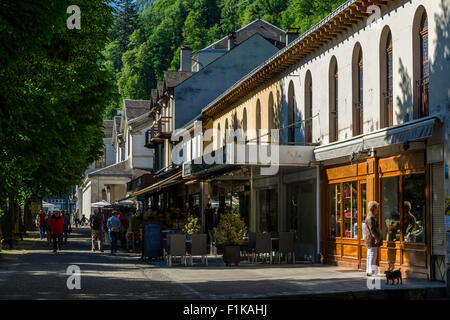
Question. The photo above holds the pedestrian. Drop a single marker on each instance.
(113, 225)
(56, 223)
(48, 230)
(372, 238)
(66, 225)
(83, 220)
(42, 224)
(96, 230)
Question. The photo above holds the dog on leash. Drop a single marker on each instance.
(393, 275)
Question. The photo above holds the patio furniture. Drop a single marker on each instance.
(286, 246)
(251, 246)
(263, 246)
(199, 248)
(177, 248)
(213, 242)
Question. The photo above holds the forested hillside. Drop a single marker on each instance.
(146, 44)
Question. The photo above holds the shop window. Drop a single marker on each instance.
(390, 208)
(363, 208)
(335, 210)
(350, 206)
(414, 208)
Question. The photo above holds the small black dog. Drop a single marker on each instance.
(392, 275)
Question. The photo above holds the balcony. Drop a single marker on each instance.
(164, 128)
(149, 138)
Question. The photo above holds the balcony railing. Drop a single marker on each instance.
(164, 127)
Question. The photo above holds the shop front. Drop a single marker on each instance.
(400, 167)
(400, 183)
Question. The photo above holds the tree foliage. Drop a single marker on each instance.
(53, 95)
(167, 24)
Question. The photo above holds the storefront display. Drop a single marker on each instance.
(399, 183)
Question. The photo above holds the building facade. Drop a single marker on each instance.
(370, 93)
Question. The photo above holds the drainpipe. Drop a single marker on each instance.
(318, 209)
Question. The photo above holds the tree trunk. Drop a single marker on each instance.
(28, 217)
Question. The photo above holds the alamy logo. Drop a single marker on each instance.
(74, 21)
(74, 280)
(374, 283)
(237, 147)
(375, 12)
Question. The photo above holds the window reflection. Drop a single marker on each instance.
(335, 210)
(414, 208)
(391, 212)
(350, 201)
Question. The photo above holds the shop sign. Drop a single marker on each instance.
(447, 213)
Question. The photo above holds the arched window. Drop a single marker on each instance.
(235, 128)
(291, 113)
(357, 85)
(271, 118)
(308, 107)
(334, 98)
(218, 138)
(258, 121)
(421, 64)
(226, 132)
(387, 111)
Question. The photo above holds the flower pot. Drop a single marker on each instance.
(231, 254)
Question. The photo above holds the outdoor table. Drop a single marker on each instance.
(275, 244)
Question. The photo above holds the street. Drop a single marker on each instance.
(33, 271)
(38, 273)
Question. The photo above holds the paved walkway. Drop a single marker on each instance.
(38, 273)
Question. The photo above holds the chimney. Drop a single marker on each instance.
(185, 58)
(231, 40)
(291, 34)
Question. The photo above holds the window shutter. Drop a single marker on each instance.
(437, 210)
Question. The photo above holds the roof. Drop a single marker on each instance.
(120, 169)
(174, 78)
(117, 120)
(341, 19)
(108, 128)
(135, 108)
(264, 28)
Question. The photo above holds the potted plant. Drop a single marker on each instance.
(191, 226)
(230, 232)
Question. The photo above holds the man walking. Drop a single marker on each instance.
(66, 225)
(42, 224)
(96, 227)
(56, 223)
(113, 225)
(372, 237)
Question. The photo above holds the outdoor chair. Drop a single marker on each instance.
(286, 246)
(251, 246)
(213, 242)
(263, 246)
(177, 248)
(199, 248)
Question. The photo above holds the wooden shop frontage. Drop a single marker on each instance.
(402, 182)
